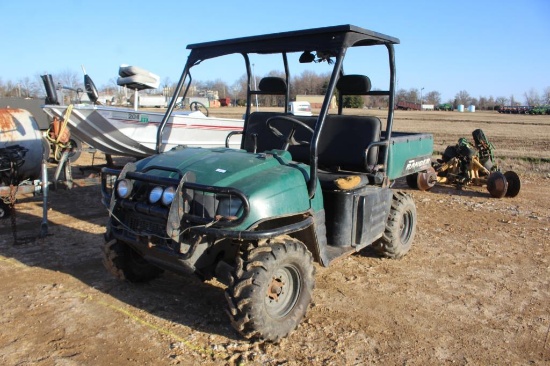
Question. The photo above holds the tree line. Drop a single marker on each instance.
(307, 83)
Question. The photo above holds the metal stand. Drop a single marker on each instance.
(64, 165)
(44, 185)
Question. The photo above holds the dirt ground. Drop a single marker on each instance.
(474, 289)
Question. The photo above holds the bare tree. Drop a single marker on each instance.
(401, 95)
(11, 89)
(26, 88)
(462, 97)
(485, 103)
(69, 82)
(239, 90)
(376, 101)
(68, 78)
(532, 98)
(433, 97)
(546, 96)
(502, 101)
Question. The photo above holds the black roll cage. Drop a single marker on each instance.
(334, 40)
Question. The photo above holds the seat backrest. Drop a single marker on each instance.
(272, 85)
(344, 140)
(257, 135)
(342, 144)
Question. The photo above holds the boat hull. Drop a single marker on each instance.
(124, 131)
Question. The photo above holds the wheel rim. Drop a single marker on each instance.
(406, 228)
(497, 185)
(283, 291)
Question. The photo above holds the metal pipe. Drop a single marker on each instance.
(391, 106)
(287, 79)
(44, 185)
(171, 106)
(312, 183)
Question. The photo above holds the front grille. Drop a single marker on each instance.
(200, 204)
(145, 226)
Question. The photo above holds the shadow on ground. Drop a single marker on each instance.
(76, 220)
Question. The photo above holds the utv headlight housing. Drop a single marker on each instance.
(168, 195)
(124, 188)
(155, 194)
(229, 207)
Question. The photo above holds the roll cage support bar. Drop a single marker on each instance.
(337, 70)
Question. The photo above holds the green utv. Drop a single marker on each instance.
(301, 189)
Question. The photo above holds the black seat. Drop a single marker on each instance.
(345, 139)
(257, 137)
(272, 85)
(344, 143)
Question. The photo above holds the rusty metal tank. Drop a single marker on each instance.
(19, 128)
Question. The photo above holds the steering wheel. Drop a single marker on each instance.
(289, 139)
(198, 106)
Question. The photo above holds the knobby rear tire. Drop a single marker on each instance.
(400, 228)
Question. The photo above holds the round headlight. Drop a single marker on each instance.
(124, 188)
(168, 195)
(155, 194)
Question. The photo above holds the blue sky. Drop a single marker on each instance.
(488, 48)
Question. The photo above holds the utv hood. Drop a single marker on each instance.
(274, 185)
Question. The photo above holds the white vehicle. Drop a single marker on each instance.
(299, 108)
(152, 101)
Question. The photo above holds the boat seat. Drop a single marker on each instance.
(136, 78)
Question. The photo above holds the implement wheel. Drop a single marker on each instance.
(423, 181)
(271, 289)
(497, 185)
(427, 179)
(514, 184)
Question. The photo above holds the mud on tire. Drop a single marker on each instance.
(125, 263)
(270, 289)
(400, 228)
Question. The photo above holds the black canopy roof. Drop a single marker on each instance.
(326, 39)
